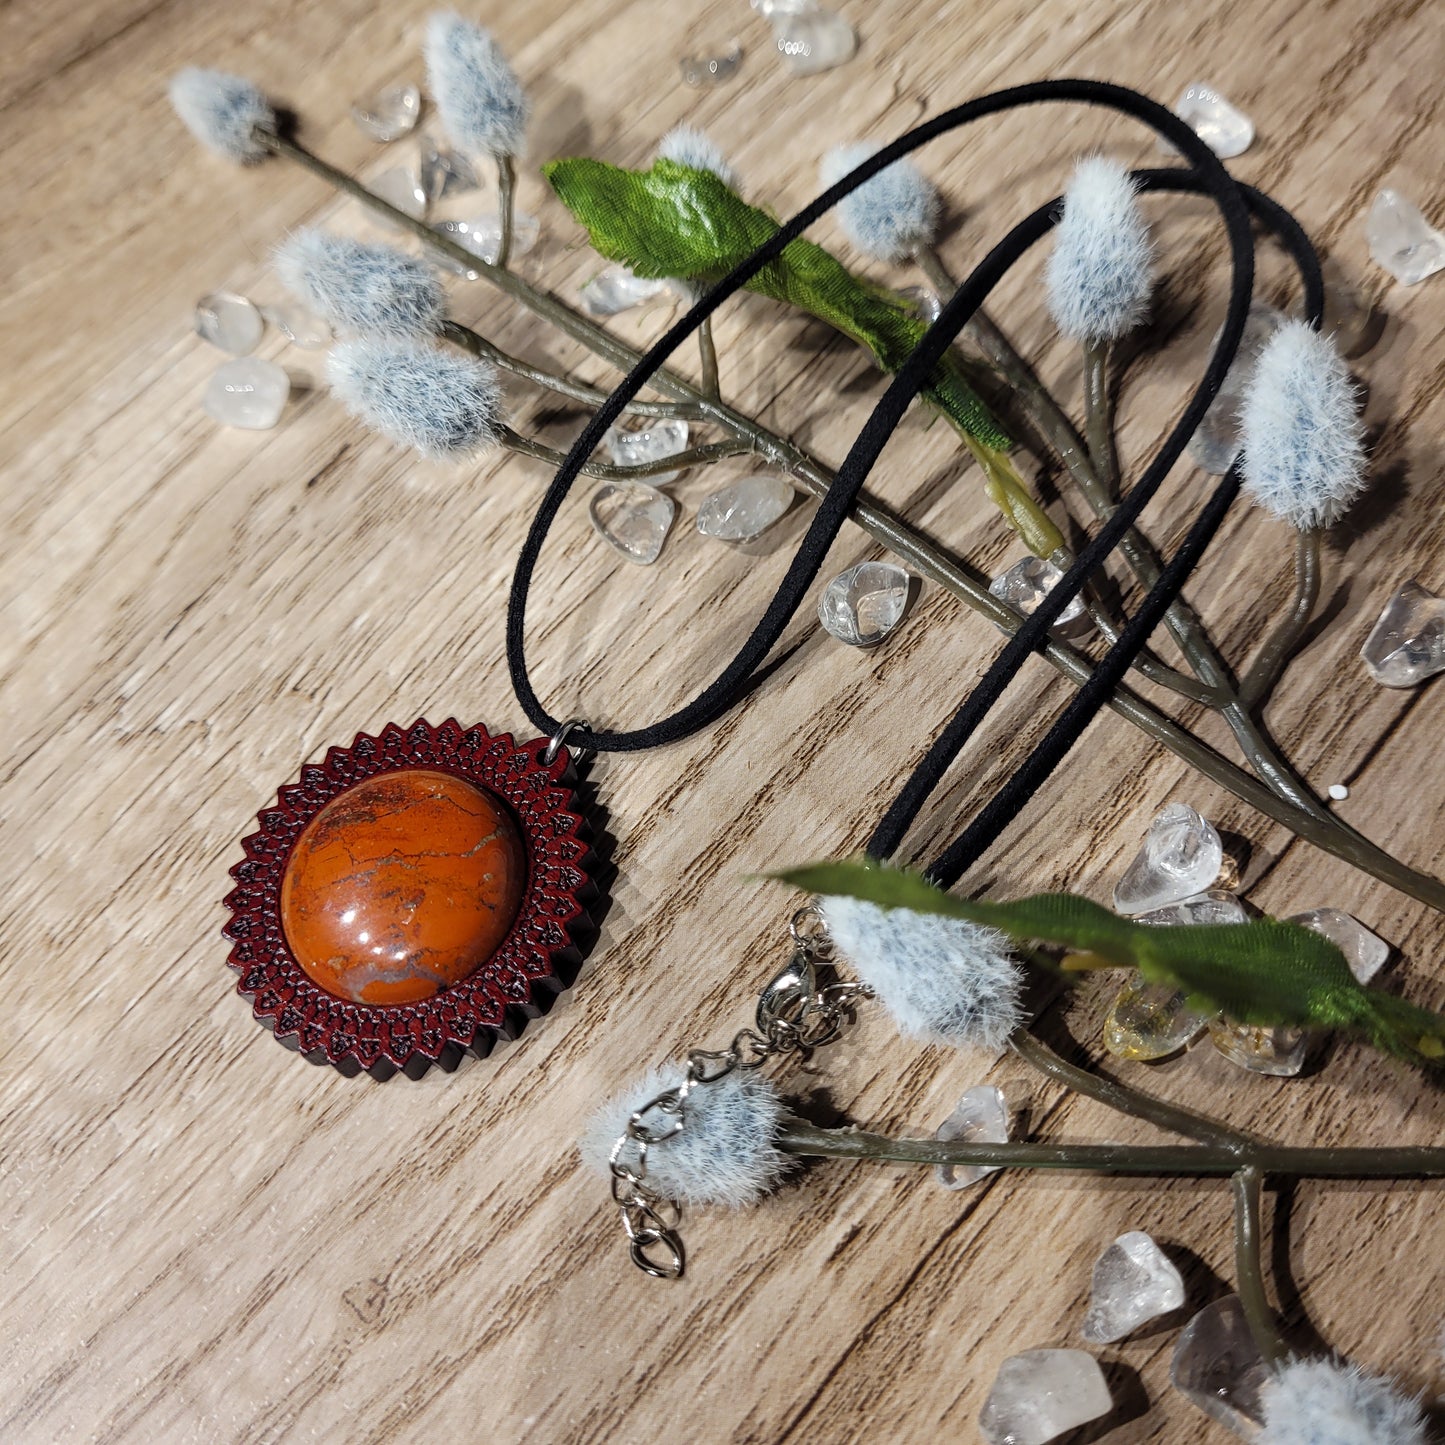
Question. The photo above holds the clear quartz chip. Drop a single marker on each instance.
(863, 604)
(229, 321)
(1279, 1052)
(247, 393)
(1134, 1282)
(1027, 583)
(982, 1117)
(1407, 644)
(299, 324)
(1150, 1021)
(1215, 444)
(1217, 1366)
(744, 509)
(700, 70)
(482, 236)
(1402, 240)
(389, 114)
(923, 301)
(1181, 857)
(777, 9)
(399, 187)
(814, 40)
(634, 518)
(1224, 128)
(444, 171)
(1365, 952)
(653, 443)
(1215, 906)
(616, 289)
(1041, 1394)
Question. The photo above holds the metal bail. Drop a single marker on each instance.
(559, 740)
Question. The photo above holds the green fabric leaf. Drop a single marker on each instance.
(673, 221)
(1265, 972)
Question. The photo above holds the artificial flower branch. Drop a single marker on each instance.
(1262, 674)
(1249, 1266)
(701, 456)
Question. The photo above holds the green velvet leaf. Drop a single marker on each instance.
(681, 223)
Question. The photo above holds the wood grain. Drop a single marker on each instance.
(207, 1239)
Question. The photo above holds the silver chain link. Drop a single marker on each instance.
(794, 1015)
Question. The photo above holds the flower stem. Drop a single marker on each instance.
(1265, 670)
(506, 208)
(677, 462)
(1248, 1266)
(707, 355)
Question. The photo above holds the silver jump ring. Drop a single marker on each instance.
(559, 739)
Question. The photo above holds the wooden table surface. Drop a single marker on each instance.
(207, 1239)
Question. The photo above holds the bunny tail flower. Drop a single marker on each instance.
(1100, 272)
(479, 98)
(1326, 1402)
(222, 112)
(725, 1153)
(689, 146)
(361, 287)
(443, 405)
(1304, 454)
(889, 217)
(941, 978)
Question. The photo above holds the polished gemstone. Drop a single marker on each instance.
(652, 443)
(1181, 856)
(1215, 906)
(1027, 583)
(443, 172)
(399, 187)
(922, 301)
(482, 236)
(616, 289)
(298, 324)
(863, 604)
(1278, 1052)
(401, 886)
(712, 69)
(634, 518)
(1224, 128)
(981, 1118)
(1407, 644)
(1215, 443)
(1218, 1366)
(1365, 952)
(389, 114)
(1134, 1282)
(814, 40)
(247, 393)
(1150, 1021)
(229, 321)
(1039, 1395)
(1402, 240)
(744, 509)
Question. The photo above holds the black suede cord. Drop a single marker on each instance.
(1209, 177)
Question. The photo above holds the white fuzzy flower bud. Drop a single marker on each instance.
(222, 111)
(889, 216)
(941, 978)
(360, 286)
(689, 146)
(1100, 272)
(443, 404)
(1327, 1402)
(477, 94)
(1304, 455)
(725, 1153)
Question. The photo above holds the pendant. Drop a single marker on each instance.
(417, 896)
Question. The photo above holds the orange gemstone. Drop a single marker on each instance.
(402, 885)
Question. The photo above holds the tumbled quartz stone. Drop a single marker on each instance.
(744, 509)
(1027, 583)
(399, 187)
(652, 444)
(981, 1118)
(1278, 1052)
(1150, 1021)
(863, 604)
(389, 114)
(923, 301)
(298, 324)
(1225, 129)
(483, 238)
(229, 321)
(1402, 240)
(1407, 644)
(1215, 906)
(616, 289)
(777, 9)
(1134, 1282)
(248, 393)
(1365, 952)
(444, 171)
(1039, 1395)
(1217, 1366)
(814, 40)
(699, 70)
(634, 518)
(1216, 443)
(1181, 856)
